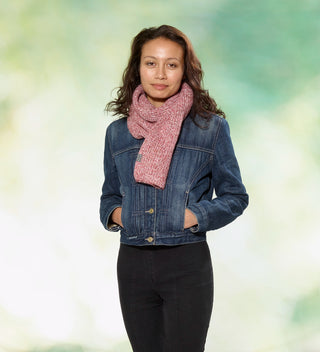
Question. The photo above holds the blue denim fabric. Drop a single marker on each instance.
(203, 162)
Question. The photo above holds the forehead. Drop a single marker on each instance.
(162, 48)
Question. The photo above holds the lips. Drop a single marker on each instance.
(159, 86)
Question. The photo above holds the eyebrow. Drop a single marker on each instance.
(168, 58)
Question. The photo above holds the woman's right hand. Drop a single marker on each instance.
(189, 219)
(116, 216)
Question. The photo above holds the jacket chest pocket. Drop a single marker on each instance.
(185, 164)
(125, 163)
(173, 173)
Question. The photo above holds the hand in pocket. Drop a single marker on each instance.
(189, 219)
(116, 216)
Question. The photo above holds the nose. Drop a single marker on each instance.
(161, 72)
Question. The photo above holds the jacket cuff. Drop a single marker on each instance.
(202, 217)
(113, 227)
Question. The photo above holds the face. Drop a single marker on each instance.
(161, 69)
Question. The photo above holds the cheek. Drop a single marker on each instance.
(178, 80)
(141, 74)
(144, 75)
(177, 76)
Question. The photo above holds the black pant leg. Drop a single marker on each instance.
(166, 296)
(188, 299)
(141, 306)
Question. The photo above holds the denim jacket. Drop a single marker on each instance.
(203, 162)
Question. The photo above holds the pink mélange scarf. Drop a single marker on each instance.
(161, 128)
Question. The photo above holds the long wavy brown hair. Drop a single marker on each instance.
(203, 104)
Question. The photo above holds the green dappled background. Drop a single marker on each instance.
(59, 61)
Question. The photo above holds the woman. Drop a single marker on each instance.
(163, 159)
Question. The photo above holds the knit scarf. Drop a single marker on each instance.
(160, 127)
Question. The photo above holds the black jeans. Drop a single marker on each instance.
(166, 296)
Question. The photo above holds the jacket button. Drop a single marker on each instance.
(150, 211)
(149, 239)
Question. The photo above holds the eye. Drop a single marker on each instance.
(150, 63)
(172, 65)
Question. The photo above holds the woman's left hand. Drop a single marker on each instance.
(189, 219)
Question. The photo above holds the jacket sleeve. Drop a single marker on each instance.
(231, 197)
(111, 197)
